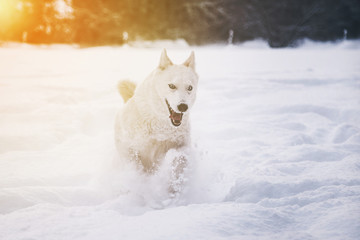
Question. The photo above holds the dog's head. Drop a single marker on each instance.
(176, 87)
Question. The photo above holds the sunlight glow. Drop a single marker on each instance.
(7, 9)
(64, 8)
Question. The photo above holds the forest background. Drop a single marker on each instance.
(281, 23)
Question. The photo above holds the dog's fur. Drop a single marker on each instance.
(148, 124)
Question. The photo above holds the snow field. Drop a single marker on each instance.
(276, 143)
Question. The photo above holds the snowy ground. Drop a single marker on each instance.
(276, 137)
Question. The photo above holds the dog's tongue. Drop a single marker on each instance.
(176, 117)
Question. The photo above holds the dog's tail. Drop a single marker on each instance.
(126, 89)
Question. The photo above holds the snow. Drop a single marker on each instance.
(276, 145)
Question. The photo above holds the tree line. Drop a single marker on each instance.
(113, 22)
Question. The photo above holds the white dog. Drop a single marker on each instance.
(155, 117)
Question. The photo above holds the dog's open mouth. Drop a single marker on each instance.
(174, 116)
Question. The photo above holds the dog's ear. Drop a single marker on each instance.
(164, 60)
(190, 62)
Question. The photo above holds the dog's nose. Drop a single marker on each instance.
(182, 107)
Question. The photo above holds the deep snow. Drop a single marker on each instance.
(276, 145)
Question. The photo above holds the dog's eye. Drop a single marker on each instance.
(190, 88)
(172, 86)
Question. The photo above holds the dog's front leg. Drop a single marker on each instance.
(177, 178)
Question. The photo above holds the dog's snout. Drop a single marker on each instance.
(182, 107)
